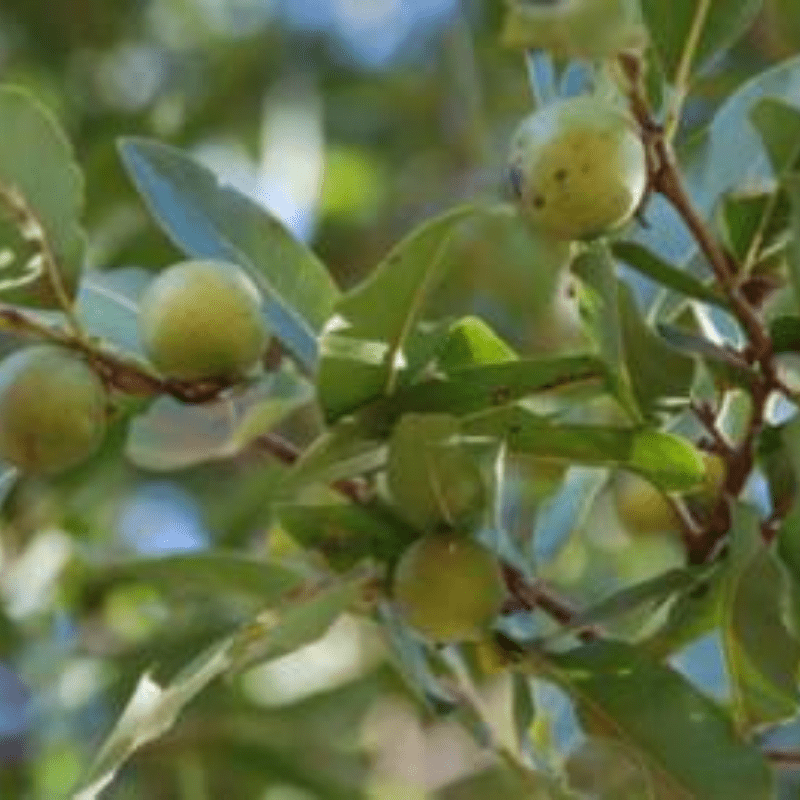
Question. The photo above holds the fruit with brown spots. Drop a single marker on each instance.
(578, 168)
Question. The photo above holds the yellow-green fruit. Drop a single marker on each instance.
(641, 507)
(432, 477)
(448, 587)
(52, 410)
(705, 496)
(202, 319)
(578, 168)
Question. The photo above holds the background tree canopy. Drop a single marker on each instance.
(590, 447)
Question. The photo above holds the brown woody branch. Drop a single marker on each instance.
(666, 180)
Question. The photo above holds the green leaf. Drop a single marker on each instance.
(761, 656)
(600, 308)
(502, 781)
(275, 634)
(693, 614)
(153, 709)
(658, 372)
(472, 389)
(606, 769)
(151, 712)
(684, 740)
(787, 456)
(655, 590)
(362, 345)
(778, 124)
(172, 435)
(671, 463)
(722, 361)
(785, 334)
(694, 31)
(755, 226)
(471, 342)
(41, 188)
(431, 476)
(792, 183)
(209, 573)
(646, 262)
(345, 533)
(348, 448)
(208, 220)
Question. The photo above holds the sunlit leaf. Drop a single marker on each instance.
(363, 344)
(471, 342)
(669, 462)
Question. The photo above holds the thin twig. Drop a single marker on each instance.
(666, 179)
(537, 596)
(785, 758)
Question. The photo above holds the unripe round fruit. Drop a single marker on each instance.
(448, 587)
(702, 499)
(432, 477)
(578, 168)
(202, 319)
(52, 410)
(643, 509)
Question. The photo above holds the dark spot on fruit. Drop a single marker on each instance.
(585, 169)
(538, 201)
(560, 174)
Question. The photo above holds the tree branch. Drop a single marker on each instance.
(666, 179)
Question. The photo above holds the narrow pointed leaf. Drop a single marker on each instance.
(41, 203)
(701, 27)
(363, 343)
(600, 308)
(670, 462)
(209, 220)
(644, 261)
(684, 740)
(210, 573)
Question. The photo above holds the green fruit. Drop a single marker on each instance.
(52, 410)
(575, 28)
(448, 587)
(578, 168)
(641, 507)
(202, 319)
(703, 499)
(432, 478)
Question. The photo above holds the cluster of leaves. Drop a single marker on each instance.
(689, 327)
